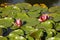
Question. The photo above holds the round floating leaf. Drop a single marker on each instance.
(57, 26)
(58, 35)
(28, 29)
(50, 33)
(29, 37)
(3, 38)
(1, 31)
(55, 9)
(34, 14)
(37, 34)
(35, 8)
(47, 24)
(6, 22)
(22, 16)
(55, 16)
(24, 5)
(32, 22)
(44, 9)
(53, 38)
(10, 11)
(18, 32)
(15, 37)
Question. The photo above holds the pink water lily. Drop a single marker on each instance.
(18, 22)
(44, 17)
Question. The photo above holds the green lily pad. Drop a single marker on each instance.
(55, 16)
(6, 22)
(28, 29)
(22, 16)
(57, 26)
(18, 32)
(1, 31)
(37, 34)
(58, 35)
(35, 8)
(1, 9)
(47, 24)
(44, 9)
(50, 33)
(53, 38)
(10, 11)
(24, 6)
(34, 14)
(15, 37)
(55, 9)
(14, 27)
(29, 37)
(32, 22)
(3, 38)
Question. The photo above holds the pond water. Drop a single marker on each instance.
(47, 2)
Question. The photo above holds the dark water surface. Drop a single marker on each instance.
(47, 2)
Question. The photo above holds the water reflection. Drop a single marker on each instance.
(17, 1)
(57, 3)
(11, 1)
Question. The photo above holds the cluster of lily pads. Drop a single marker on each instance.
(22, 21)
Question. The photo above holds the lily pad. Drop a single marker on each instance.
(6, 22)
(3, 38)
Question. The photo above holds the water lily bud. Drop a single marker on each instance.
(18, 22)
(44, 17)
